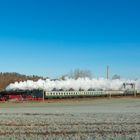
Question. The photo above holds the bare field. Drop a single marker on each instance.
(72, 119)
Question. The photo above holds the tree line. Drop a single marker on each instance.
(79, 73)
(8, 78)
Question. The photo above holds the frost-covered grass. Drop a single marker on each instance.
(70, 126)
(86, 120)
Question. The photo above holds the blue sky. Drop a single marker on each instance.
(53, 37)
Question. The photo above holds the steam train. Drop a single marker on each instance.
(39, 95)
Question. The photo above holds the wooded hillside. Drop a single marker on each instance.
(7, 78)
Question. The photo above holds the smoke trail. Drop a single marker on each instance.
(67, 84)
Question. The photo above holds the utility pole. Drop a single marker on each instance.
(43, 96)
(43, 92)
(135, 91)
(107, 73)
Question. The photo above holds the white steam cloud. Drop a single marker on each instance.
(81, 83)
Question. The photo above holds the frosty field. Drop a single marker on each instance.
(72, 119)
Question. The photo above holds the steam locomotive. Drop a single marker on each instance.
(38, 95)
(21, 95)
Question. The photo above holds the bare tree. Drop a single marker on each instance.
(116, 77)
(63, 77)
(77, 73)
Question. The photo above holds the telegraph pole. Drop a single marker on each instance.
(43, 96)
(43, 93)
(107, 73)
(107, 77)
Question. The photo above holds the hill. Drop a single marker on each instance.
(7, 78)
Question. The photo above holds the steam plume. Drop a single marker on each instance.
(81, 83)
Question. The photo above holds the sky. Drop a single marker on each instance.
(54, 37)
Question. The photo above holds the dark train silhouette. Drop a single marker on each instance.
(22, 95)
(39, 95)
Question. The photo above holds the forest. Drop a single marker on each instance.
(7, 78)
